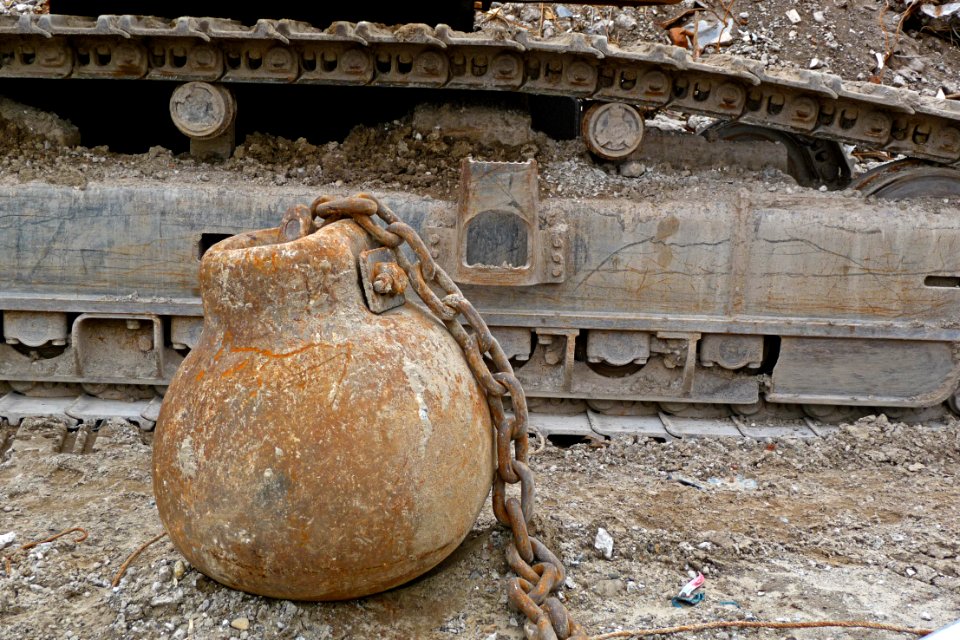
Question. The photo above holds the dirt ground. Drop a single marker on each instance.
(860, 525)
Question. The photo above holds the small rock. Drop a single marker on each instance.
(925, 615)
(625, 21)
(632, 169)
(240, 624)
(946, 582)
(816, 63)
(793, 16)
(916, 466)
(609, 588)
(179, 569)
(167, 599)
(925, 573)
(819, 17)
(604, 543)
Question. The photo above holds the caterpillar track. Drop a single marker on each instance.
(681, 317)
(650, 76)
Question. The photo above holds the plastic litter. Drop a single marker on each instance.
(737, 483)
(691, 594)
(703, 33)
(949, 632)
(940, 11)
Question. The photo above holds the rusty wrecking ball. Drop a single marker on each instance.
(308, 448)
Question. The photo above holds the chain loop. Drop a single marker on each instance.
(531, 591)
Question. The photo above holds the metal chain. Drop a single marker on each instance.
(539, 572)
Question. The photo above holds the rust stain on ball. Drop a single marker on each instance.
(310, 449)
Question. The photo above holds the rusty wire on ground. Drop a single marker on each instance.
(8, 560)
(133, 556)
(759, 624)
(888, 46)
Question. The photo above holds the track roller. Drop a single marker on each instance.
(909, 178)
(811, 162)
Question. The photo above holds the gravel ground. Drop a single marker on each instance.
(860, 525)
(836, 36)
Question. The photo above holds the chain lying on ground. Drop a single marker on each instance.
(539, 572)
(651, 76)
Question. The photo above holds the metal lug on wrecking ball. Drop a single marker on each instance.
(207, 114)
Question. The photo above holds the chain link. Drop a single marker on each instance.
(539, 572)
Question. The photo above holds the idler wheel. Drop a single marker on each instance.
(908, 179)
(613, 131)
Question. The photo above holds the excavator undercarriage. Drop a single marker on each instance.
(723, 305)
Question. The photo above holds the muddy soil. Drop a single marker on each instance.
(860, 525)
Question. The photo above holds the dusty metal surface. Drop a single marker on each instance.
(308, 448)
(613, 131)
(539, 573)
(905, 179)
(680, 301)
(207, 114)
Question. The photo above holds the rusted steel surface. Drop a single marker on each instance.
(670, 300)
(361, 53)
(539, 573)
(308, 448)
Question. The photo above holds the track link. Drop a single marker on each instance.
(81, 417)
(651, 76)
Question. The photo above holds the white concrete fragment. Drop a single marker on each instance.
(942, 10)
(794, 16)
(604, 543)
(7, 539)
